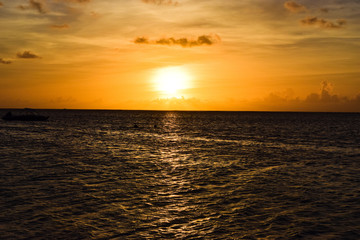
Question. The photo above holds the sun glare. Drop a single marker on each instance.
(170, 80)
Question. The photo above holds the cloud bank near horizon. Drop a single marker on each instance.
(3, 61)
(324, 100)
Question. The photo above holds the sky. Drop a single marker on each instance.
(248, 55)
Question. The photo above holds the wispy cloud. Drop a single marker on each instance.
(60, 27)
(76, 1)
(27, 54)
(34, 4)
(41, 5)
(294, 7)
(161, 2)
(315, 21)
(3, 61)
(81, 1)
(184, 42)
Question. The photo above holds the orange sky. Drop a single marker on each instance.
(252, 55)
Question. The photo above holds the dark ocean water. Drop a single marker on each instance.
(180, 175)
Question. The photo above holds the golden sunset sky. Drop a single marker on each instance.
(257, 55)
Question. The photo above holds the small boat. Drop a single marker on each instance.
(24, 117)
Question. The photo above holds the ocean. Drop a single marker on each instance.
(92, 174)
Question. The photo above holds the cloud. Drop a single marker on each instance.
(60, 27)
(324, 10)
(324, 100)
(326, 89)
(27, 54)
(3, 61)
(34, 4)
(161, 2)
(1, 4)
(75, 1)
(326, 95)
(94, 14)
(141, 40)
(39, 6)
(294, 7)
(315, 21)
(184, 42)
(80, 1)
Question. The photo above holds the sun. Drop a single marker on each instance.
(170, 80)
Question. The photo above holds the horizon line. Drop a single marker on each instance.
(174, 110)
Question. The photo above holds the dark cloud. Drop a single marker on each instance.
(324, 10)
(141, 40)
(34, 4)
(341, 22)
(184, 42)
(27, 54)
(1, 4)
(3, 61)
(60, 27)
(294, 7)
(161, 2)
(315, 21)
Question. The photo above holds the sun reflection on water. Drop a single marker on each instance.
(176, 204)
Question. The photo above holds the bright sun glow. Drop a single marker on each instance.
(171, 79)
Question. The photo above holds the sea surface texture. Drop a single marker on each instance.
(180, 175)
